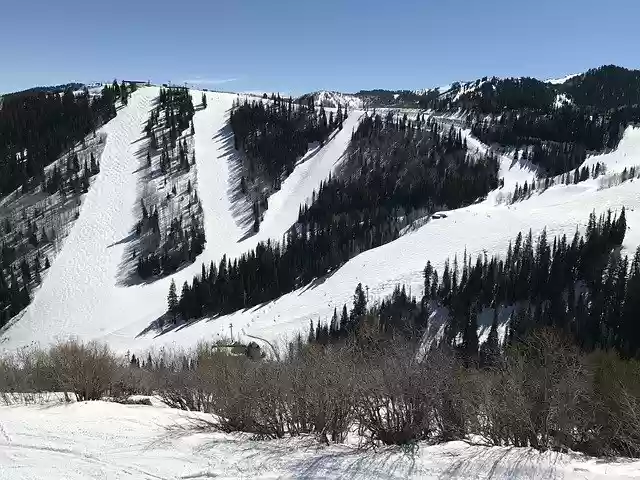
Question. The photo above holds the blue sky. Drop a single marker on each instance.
(299, 45)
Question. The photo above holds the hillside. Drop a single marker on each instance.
(121, 313)
(86, 271)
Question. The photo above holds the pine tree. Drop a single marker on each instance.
(490, 350)
(172, 299)
(311, 338)
(359, 303)
(124, 94)
(334, 327)
(344, 320)
(470, 337)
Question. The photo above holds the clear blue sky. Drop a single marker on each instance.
(300, 45)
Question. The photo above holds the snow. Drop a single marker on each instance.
(627, 154)
(442, 89)
(100, 440)
(561, 99)
(560, 81)
(333, 99)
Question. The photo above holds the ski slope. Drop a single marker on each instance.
(100, 440)
(81, 297)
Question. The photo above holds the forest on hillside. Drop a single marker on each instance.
(170, 231)
(273, 134)
(37, 127)
(47, 164)
(554, 126)
(395, 170)
(583, 287)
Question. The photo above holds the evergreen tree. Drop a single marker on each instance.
(172, 299)
(359, 303)
(344, 320)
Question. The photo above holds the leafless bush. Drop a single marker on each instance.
(394, 404)
(90, 371)
(401, 400)
(614, 427)
(539, 396)
(312, 392)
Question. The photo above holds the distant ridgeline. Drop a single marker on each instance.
(551, 125)
(554, 125)
(273, 135)
(395, 169)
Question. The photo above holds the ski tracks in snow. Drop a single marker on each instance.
(81, 279)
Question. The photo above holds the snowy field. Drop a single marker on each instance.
(81, 296)
(100, 440)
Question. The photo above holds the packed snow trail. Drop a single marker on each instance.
(100, 440)
(73, 288)
(221, 229)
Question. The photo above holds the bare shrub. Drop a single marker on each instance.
(318, 391)
(402, 400)
(543, 393)
(311, 392)
(539, 395)
(89, 371)
(614, 425)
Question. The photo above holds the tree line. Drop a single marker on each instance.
(37, 127)
(276, 133)
(579, 175)
(582, 287)
(166, 245)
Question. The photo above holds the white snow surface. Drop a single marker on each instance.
(100, 440)
(80, 295)
(560, 81)
(561, 99)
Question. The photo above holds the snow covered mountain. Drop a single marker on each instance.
(81, 296)
(332, 99)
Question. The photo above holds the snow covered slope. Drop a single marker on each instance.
(81, 296)
(562, 80)
(111, 441)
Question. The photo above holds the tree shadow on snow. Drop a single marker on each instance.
(165, 323)
(505, 462)
(241, 206)
(127, 269)
(317, 282)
